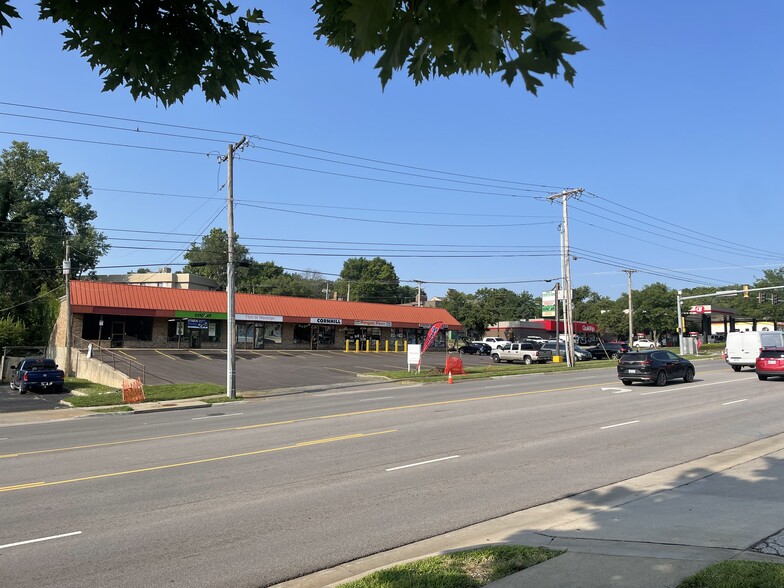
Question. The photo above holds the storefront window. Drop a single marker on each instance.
(302, 333)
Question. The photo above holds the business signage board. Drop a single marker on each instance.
(198, 323)
(200, 315)
(373, 323)
(413, 356)
(326, 321)
(259, 318)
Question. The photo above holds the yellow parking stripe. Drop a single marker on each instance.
(200, 355)
(194, 462)
(166, 355)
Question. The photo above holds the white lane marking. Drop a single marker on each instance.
(363, 391)
(379, 398)
(411, 465)
(616, 390)
(734, 402)
(4, 439)
(217, 416)
(41, 539)
(619, 424)
(690, 386)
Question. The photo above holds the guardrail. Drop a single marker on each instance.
(121, 362)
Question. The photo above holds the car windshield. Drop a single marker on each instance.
(635, 357)
(775, 353)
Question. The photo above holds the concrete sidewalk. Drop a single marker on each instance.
(646, 532)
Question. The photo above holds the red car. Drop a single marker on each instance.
(770, 362)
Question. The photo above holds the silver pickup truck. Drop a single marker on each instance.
(523, 351)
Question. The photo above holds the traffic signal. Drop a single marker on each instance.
(774, 298)
(745, 290)
(761, 297)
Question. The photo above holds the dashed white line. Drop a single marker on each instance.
(411, 465)
(690, 386)
(619, 424)
(217, 416)
(379, 398)
(41, 539)
(3, 438)
(734, 402)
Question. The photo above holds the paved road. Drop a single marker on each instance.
(254, 493)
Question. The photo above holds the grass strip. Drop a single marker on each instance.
(462, 569)
(737, 574)
(97, 395)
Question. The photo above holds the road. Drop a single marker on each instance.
(254, 493)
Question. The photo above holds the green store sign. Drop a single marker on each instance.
(200, 315)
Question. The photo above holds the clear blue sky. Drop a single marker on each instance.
(674, 127)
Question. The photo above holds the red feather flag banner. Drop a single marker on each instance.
(431, 336)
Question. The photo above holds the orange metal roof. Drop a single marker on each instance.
(110, 298)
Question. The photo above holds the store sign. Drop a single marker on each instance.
(373, 323)
(198, 323)
(259, 318)
(587, 328)
(326, 321)
(444, 326)
(199, 315)
(548, 303)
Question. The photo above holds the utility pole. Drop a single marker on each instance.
(419, 292)
(567, 279)
(629, 273)
(231, 338)
(68, 315)
(326, 291)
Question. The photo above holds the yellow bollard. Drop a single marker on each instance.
(377, 343)
(405, 346)
(347, 344)
(356, 346)
(396, 342)
(386, 346)
(367, 346)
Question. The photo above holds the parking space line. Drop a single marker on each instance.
(166, 355)
(128, 355)
(200, 355)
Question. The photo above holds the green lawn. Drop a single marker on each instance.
(737, 574)
(463, 569)
(98, 395)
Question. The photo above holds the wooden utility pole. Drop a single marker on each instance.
(567, 279)
(68, 315)
(231, 337)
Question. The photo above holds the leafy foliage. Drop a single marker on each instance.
(447, 37)
(371, 280)
(12, 332)
(39, 206)
(164, 48)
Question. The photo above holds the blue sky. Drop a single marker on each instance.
(674, 128)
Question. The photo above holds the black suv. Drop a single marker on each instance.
(609, 350)
(657, 366)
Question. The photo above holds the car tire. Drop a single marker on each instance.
(661, 378)
(460, 351)
(22, 390)
(762, 377)
(614, 356)
(736, 368)
(689, 375)
(496, 359)
(527, 360)
(626, 382)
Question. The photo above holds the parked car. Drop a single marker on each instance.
(611, 350)
(581, 354)
(474, 348)
(658, 366)
(495, 342)
(770, 363)
(524, 351)
(643, 344)
(37, 373)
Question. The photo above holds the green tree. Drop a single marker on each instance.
(164, 48)
(41, 206)
(211, 256)
(12, 332)
(465, 308)
(371, 280)
(655, 309)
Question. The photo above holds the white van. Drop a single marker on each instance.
(743, 347)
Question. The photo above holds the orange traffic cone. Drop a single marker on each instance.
(450, 380)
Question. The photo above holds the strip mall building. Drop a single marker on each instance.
(121, 315)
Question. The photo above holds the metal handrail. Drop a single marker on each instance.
(118, 362)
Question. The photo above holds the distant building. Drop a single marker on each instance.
(162, 279)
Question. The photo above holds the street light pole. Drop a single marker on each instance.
(629, 273)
